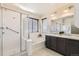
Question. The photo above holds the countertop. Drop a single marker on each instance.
(70, 36)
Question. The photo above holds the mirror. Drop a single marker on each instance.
(66, 25)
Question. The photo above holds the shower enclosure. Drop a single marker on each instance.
(12, 40)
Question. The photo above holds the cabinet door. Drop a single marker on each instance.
(61, 45)
(72, 47)
(11, 36)
(53, 42)
(48, 42)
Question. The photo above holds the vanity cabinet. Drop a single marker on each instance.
(65, 46)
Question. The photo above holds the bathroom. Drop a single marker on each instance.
(23, 29)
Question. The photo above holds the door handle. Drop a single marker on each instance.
(1, 27)
(12, 30)
(3, 33)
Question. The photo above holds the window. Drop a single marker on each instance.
(44, 25)
(30, 25)
(33, 24)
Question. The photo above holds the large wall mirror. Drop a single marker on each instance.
(65, 24)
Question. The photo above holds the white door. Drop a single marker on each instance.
(0, 32)
(24, 31)
(11, 36)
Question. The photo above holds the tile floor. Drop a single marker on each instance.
(45, 52)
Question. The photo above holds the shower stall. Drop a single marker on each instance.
(12, 40)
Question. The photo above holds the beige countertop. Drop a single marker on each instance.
(70, 36)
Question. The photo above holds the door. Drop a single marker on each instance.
(11, 36)
(24, 31)
(0, 31)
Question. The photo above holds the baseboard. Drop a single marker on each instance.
(23, 53)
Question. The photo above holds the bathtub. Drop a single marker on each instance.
(37, 42)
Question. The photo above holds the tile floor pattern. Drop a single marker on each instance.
(45, 52)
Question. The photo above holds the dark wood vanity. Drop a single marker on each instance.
(65, 46)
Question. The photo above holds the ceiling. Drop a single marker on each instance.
(41, 8)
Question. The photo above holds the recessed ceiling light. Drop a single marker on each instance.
(53, 18)
(66, 10)
(67, 14)
(52, 15)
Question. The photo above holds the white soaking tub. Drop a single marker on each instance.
(37, 42)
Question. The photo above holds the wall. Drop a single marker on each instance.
(74, 30)
(76, 17)
(75, 25)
